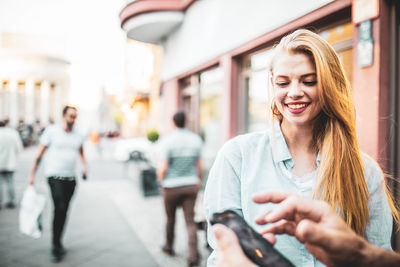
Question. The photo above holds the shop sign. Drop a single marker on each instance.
(363, 10)
(365, 53)
(365, 46)
(366, 30)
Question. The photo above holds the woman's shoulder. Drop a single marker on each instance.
(248, 141)
(372, 171)
(370, 165)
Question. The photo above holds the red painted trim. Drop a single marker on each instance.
(384, 138)
(145, 6)
(170, 91)
(209, 64)
(229, 97)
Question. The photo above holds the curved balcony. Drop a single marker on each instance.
(150, 20)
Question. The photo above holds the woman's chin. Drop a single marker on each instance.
(297, 121)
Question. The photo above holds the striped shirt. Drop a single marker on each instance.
(182, 149)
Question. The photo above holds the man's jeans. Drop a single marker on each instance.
(7, 177)
(61, 192)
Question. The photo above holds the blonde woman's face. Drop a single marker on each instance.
(295, 87)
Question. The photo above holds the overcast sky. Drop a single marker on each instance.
(95, 42)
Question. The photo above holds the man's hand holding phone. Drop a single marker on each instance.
(254, 246)
(230, 254)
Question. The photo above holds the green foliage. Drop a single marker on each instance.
(153, 136)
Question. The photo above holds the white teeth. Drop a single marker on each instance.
(296, 106)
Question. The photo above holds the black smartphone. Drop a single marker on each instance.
(256, 247)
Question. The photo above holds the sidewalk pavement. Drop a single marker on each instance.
(110, 223)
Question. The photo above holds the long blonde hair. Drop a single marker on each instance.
(341, 180)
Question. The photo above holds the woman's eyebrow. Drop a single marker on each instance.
(281, 76)
(312, 74)
(308, 75)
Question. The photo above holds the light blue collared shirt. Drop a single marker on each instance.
(253, 163)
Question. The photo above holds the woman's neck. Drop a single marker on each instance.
(300, 144)
(297, 138)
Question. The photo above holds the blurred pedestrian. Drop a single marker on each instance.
(10, 146)
(63, 145)
(180, 177)
(37, 131)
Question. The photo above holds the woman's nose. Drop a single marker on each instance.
(295, 90)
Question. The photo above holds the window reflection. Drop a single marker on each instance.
(257, 95)
(210, 113)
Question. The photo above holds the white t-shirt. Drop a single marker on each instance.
(10, 146)
(62, 151)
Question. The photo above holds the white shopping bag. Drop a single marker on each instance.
(32, 206)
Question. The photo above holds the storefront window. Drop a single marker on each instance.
(210, 113)
(200, 98)
(341, 38)
(190, 100)
(257, 95)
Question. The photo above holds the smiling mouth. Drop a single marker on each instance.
(297, 106)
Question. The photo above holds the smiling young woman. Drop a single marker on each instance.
(311, 150)
(341, 178)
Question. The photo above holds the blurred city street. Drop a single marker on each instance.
(111, 76)
(110, 223)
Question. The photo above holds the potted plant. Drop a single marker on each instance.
(153, 136)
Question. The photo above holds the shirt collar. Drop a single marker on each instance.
(280, 149)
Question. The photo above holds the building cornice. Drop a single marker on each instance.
(147, 6)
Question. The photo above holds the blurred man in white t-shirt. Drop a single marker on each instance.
(63, 147)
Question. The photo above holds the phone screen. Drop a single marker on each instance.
(256, 248)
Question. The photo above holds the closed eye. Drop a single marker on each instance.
(282, 84)
(310, 83)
